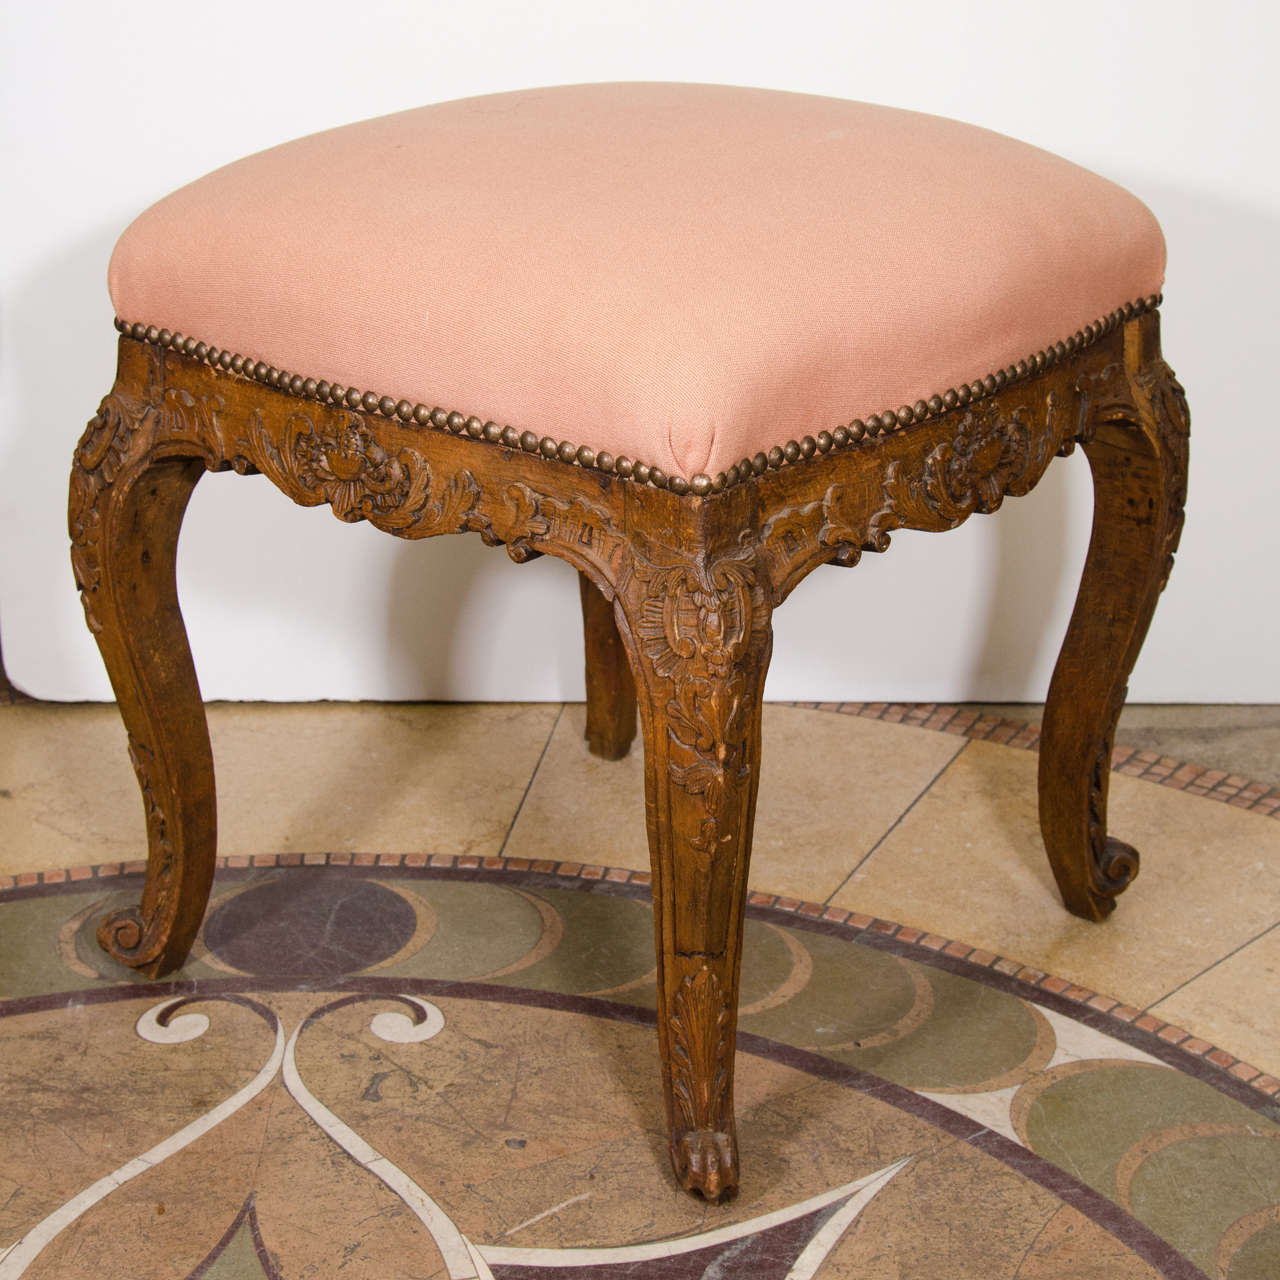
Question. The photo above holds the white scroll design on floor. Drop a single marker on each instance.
(463, 1258)
(857, 1195)
(459, 1254)
(158, 1026)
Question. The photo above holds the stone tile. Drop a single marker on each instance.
(434, 777)
(1240, 739)
(830, 787)
(967, 862)
(1235, 1003)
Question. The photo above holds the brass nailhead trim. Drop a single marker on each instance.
(792, 453)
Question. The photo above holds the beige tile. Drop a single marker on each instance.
(581, 808)
(434, 778)
(830, 786)
(967, 862)
(1236, 1004)
(1243, 740)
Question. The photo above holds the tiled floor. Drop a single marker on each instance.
(462, 1085)
(1229, 739)
(930, 829)
(935, 1077)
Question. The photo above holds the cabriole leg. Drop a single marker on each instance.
(125, 513)
(611, 689)
(699, 637)
(1136, 442)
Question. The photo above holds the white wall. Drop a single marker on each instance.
(109, 105)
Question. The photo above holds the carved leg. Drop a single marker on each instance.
(699, 637)
(125, 513)
(611, 688)
(1138, 454)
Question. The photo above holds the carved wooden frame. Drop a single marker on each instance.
(678, 593)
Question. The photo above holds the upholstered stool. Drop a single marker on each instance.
(696, 341)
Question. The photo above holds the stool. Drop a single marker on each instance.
(696, 341)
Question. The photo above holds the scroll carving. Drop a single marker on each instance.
(993, 452)
(579, 531)
(850, 537)
(835, 529)
(1115, 864)
(525, 523)
(1104, 395)
(352, 472)
(1134, 425)
(701, 1051)
(1173, 427)
(693, 573)
(123, 932)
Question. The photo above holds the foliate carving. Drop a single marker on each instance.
(993, 452)
(708, 723)
(701, 1052)
(835, 528)
(183, 416)
(696, 622)
(850, 536)
(104, 451)
(699, 611)
(351, 471)
(1169, 404)
(525, 523)
(1173, 427)
(105, 444)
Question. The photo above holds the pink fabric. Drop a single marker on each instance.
(684, 274)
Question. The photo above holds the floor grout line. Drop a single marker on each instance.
(1248, 942)
(515, 817)
(893, 826)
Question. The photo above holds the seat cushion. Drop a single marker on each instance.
(684, 274)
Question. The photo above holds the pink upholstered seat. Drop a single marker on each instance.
(684, 274)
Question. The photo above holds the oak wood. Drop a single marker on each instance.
(611, 689)
(684, 586)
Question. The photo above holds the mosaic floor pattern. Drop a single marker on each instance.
(400, 1072)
